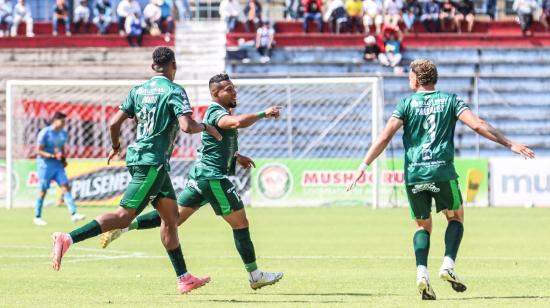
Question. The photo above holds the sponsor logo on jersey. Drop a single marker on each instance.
(274, 181)
(425, 187)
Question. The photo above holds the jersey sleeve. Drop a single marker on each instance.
(459, 106)
(128, 105)
(215, 115)
(179, 102)
(400, 111)
(41, 139)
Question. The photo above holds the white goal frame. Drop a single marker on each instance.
(376, 123)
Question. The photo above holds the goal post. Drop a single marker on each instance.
(326, 127)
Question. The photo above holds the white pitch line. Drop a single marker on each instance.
(107, 254)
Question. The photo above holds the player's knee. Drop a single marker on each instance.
(125, 218)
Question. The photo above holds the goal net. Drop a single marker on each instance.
(305, 158)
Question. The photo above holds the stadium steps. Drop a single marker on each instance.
(200, 53)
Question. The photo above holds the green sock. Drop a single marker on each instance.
(453, 237)
(146, 221)
(421, 243)
(245, 248)
(87, 231)
(176, 257)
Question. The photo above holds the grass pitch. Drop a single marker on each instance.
(332, 257)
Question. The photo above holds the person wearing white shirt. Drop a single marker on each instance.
(124, 9)
(373, 15)
(229, 12)
(22, 12)
(152, 15)
(392, 12)
(82, 16)
(5, 17)
(525, 10)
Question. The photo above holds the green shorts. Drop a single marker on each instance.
(221, 194)
(148, 184)
(447, 196)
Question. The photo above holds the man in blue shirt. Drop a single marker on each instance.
(51, 164)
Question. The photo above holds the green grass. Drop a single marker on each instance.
(332, 257)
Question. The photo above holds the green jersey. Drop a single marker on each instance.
(156, 105)
(429, 121)
(216, 159)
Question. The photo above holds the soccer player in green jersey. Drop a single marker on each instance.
(429, 118)
(159, 107)
(208, 178)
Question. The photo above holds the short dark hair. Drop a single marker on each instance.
(58, 116)
(163, 56)
(217, 79)
(425, 71)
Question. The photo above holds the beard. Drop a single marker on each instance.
(232, 104)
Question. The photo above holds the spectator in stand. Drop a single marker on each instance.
(372, 50)
(545, 14)
(392, 47)
(151, 15)
(61, 15)
(166, 20)
(22, 12)
(411, 12)
(124, 9)
(392, 12)
(491, 8)
(5, 17)
(229, 12)
(293, 9)
(525, 10)
(446, 14)
(336, 16)
(465, 11)
(373, 15)
(253, 13)
(82, 17)
(313, 10)
(103, 15)
(354, 8)
(265, 41)
(430, 15)
(133, 25)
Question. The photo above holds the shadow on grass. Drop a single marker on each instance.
(244, 301)
(337, 294)
(496, 297)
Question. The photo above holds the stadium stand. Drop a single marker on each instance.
(44, 38)
(460, 59)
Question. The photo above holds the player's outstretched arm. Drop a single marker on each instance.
(486, 130)
(381, 142)
(114, 129)
(246, 120)
(190, 126)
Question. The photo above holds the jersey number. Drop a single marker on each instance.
(430, 126)
(146, 121)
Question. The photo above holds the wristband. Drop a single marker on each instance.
(261, 114)
(115, 148)
(363, 167)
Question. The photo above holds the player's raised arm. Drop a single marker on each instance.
(246, 120)
(381, 142)
(114, 129)
(486, 130)
(190, 126)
